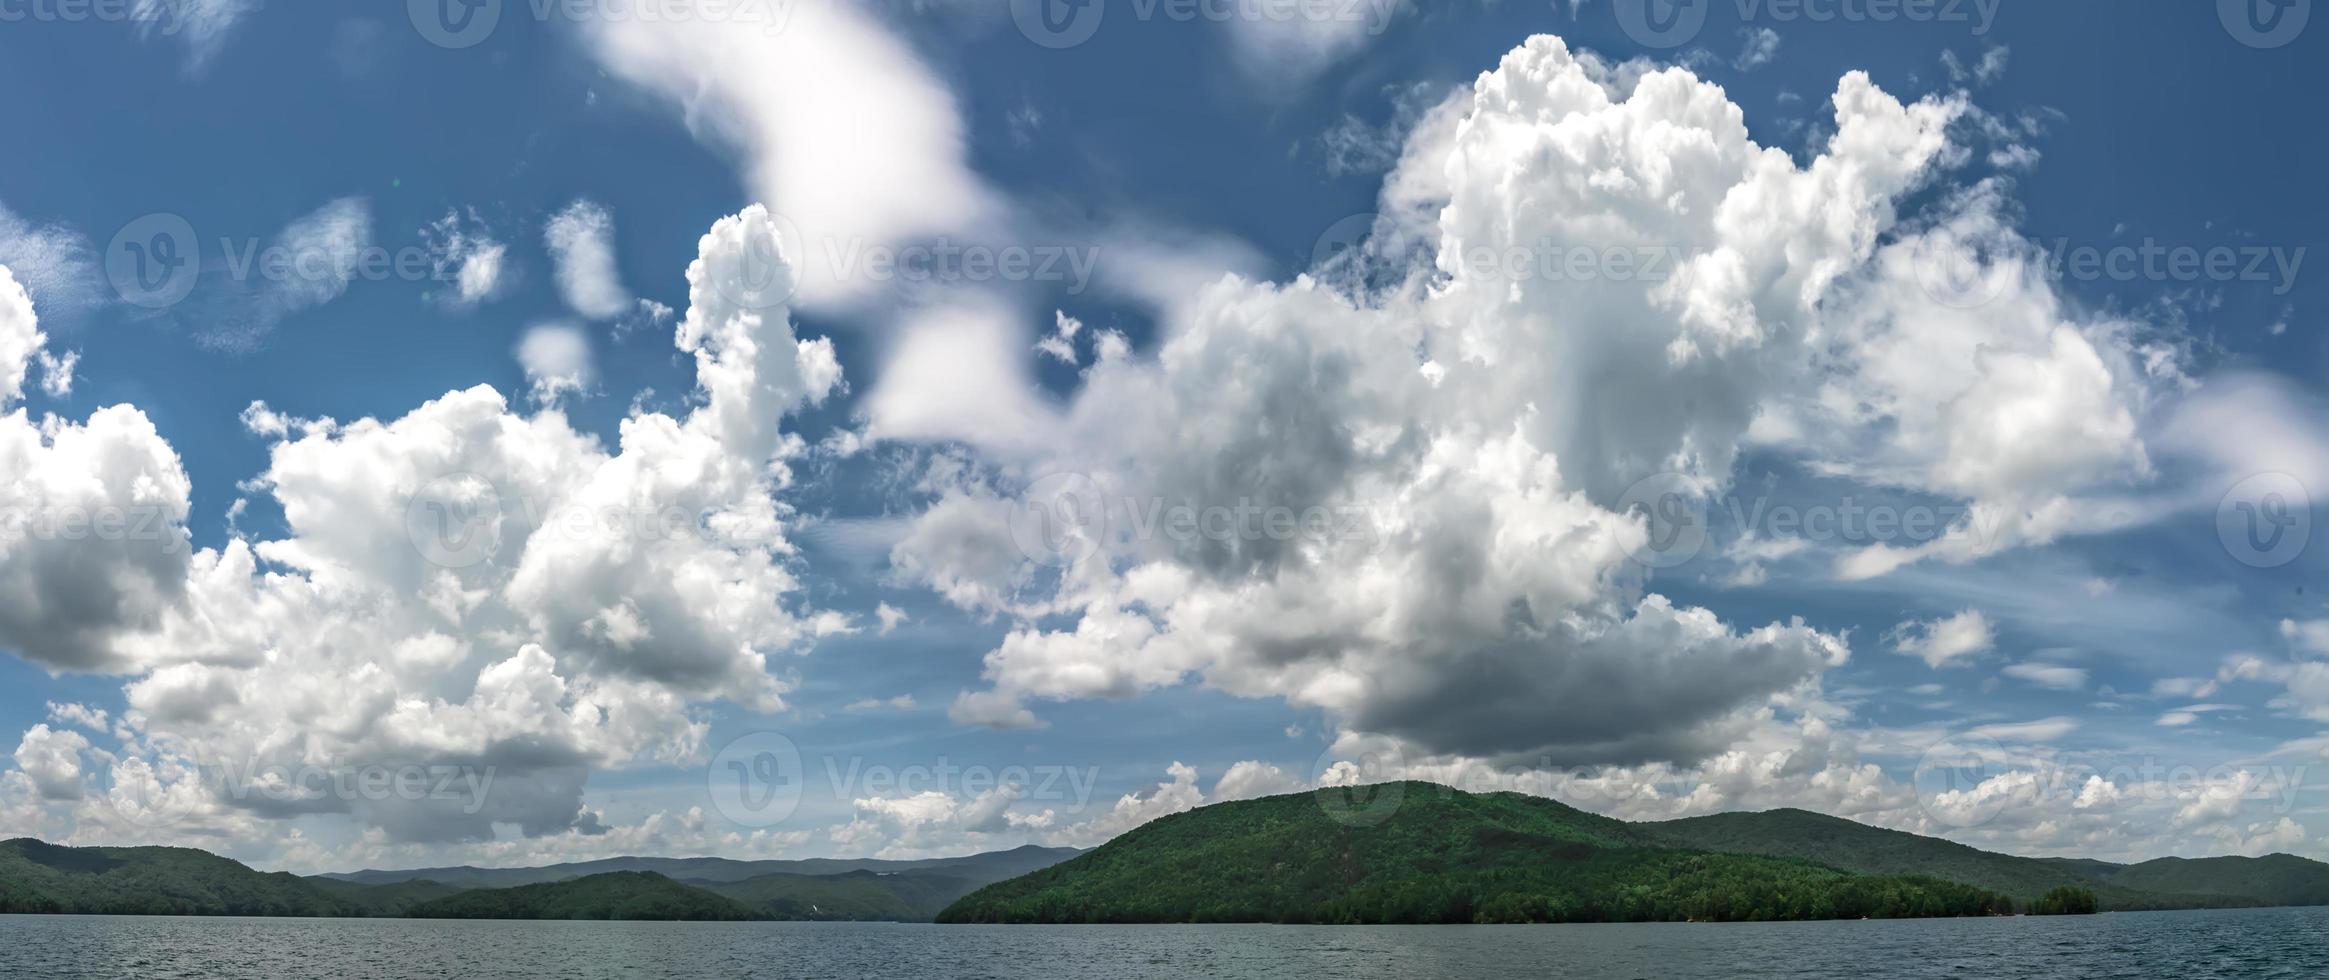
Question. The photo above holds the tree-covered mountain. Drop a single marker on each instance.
(857, 896)
(1444, 855)
(37, 877)
(384, 900)
(2274, 879)
(983, 868)
(1342, 856)
(1438, 855)
(2065, 900)
(623, 895)
(1862, 849)
(45, 878)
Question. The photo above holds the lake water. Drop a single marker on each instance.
(2180, 945)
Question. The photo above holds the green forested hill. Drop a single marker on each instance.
(628, 895)
(1859, 848)
(388, 900)
(857, 896)
(1854, 846)
(1439, 856)
(983, 868)
(2274, 879)
(1862, 849)
(38, 877)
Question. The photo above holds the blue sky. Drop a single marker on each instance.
(2121, 628)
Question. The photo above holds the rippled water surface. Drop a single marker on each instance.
(2228, 943)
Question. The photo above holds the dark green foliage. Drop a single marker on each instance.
(985, 868)
(2274, 879)
(386, 900)
(858, 896)
(2066, 900)
(625, 895)
(1857, 847)
(1438, 855)
(1441, 856)
(36, 877)
(2168, 883)
(44, 878)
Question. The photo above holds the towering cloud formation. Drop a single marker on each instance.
(1406, 490)
(91, 515)
(1611, 284)
(460, 587)
(20, 337)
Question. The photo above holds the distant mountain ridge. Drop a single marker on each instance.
(1484, 857)
(37, 877)
(615, 895)
(2279, 879)
(991, 865)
